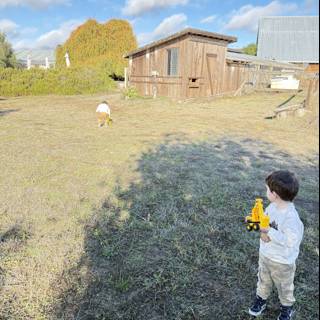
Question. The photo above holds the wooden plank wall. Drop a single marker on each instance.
(255, 75)
(156, 59)
(202, 70)
(236, 74)
(206, 64)
(195, 78)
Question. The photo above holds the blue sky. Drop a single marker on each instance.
(46, 23)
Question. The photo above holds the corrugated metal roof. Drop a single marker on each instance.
(241, 57)
(290, 39)
(187, 31)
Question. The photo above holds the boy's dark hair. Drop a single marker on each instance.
(284, 184)
(104, 101)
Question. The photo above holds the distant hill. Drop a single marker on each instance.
(93, 43)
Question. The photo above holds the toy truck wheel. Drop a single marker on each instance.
(249, 228)
(256, 227)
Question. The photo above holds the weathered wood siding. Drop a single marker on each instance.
(236, 74)
(156, 60)
(205, 64)
(201, 66)
(256, 76)
(203, 70)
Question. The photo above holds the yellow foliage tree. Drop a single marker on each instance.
(95, 44)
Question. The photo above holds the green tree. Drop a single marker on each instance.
(100, 45)
(250, 49)
(7, 57)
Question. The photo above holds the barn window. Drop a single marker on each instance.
(173, 61)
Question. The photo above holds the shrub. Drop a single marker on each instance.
(7, 57)
(130, 93)
(76, 80)
(97, 44)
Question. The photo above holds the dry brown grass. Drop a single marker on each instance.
(57, 167)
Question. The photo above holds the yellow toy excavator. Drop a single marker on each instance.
(258, 219)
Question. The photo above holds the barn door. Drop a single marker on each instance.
(212, 72)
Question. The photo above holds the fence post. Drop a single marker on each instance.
(309, 94)
(154, 86)
(154, 74)
(126, 78)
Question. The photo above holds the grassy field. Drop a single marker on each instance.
(144, 220)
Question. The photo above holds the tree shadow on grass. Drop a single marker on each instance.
(13, 239)
(173, 245)
(7, 111)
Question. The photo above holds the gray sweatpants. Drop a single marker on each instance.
(282, 275)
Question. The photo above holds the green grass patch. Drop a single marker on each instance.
(144, 219)
(184, 253)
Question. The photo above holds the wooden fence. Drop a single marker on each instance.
(243, 77)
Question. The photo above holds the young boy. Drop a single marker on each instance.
(103, 114)
(279, 245)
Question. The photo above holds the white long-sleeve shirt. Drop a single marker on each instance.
(103, 107)
(286, 233)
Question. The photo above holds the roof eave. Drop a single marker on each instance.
(188, 31)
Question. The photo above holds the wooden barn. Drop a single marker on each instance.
(195, 63)
(187, 64)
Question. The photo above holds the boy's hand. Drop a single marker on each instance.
(264, 237)
(264, 229)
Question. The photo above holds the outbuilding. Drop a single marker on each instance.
(186, 64)
(195, 63)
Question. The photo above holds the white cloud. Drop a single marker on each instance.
(22, 44)
(209, 19)
(310, 6)
(58, 36)
(133, 21)
(14, 32)
(50, 39)
(28, 31)
(40, 4)
(247, 17)
(9, 27)
(168, 26)
(138, 7)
